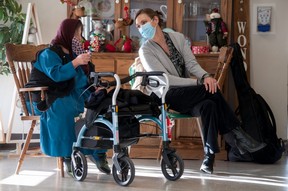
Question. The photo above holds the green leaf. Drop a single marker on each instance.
(1, 37)
(11, 29)
(1, 13)
(14, 7)
(20, 8)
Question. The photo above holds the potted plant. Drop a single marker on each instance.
(12, 22)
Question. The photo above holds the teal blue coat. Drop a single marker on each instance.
(57, 132)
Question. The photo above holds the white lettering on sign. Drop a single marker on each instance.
(242, 40)
(244, 52)
(241, 27)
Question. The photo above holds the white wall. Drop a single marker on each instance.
(50, 14)
(269, 60)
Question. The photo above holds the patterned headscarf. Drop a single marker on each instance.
(66, 33)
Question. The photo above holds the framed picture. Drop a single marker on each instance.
(264, 14)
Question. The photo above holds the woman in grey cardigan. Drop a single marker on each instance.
(168, 52)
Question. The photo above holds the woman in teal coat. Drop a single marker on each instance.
(63, 71)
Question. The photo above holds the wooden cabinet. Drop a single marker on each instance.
(113, 62)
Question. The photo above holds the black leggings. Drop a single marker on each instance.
(216, 114)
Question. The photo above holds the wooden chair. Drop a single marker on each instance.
(224, 60)
(19, 58)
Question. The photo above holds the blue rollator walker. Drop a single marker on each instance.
(123, 169)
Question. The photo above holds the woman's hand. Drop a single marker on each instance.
(211, 84)
(81, 59)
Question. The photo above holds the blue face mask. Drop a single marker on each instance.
(147, 30)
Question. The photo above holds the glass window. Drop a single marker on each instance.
(194, 15)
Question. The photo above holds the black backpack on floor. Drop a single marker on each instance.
(256, 117)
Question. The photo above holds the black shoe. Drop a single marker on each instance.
(67, 166)
(246, 143)
(208, 162)
(101, 163)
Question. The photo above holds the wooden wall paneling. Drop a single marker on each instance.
(178, 16)
(124, 15)
(226, 14)
(117, 15)
(170, 18)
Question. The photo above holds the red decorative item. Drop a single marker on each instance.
(169, 125)
(124, 43)
(127, 46)
(86, 45)
(127, 13)
(200, 49)
(110, 48)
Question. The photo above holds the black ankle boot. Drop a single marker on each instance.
(208, 162)
(245, 143)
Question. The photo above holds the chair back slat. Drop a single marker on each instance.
(224, 60)
(21, 75)
(19, 58)
(221, 60)
(26, 71)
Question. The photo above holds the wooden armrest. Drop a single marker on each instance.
(34, 89)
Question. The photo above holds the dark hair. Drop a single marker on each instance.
(151, 13)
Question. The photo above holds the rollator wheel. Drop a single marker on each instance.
(127, 174)
(175, 171)
(80, 168)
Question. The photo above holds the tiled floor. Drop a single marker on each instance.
(40, 173)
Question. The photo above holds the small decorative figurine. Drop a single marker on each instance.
(124, 43)
(97, 37)
(216, 30)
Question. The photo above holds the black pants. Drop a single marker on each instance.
(216, 114)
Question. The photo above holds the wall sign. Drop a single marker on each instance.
(264, 18)
(241, 34)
